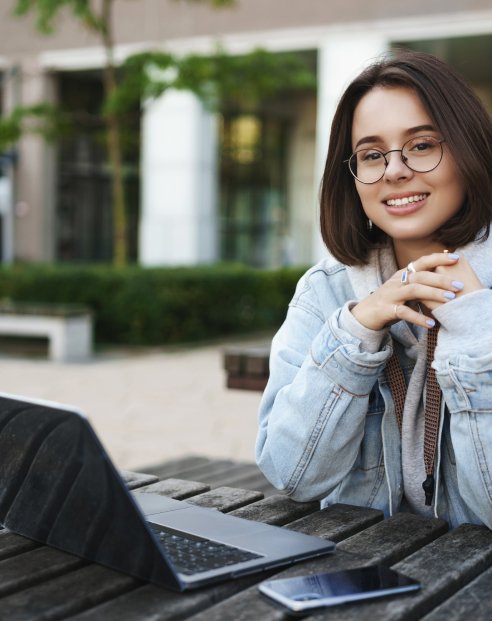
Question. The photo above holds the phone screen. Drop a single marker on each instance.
(306, 593)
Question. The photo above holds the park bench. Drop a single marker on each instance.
(67, 327)
(247, 366)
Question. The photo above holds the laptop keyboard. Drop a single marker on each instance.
(191, 554)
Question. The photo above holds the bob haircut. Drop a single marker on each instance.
(465, 126)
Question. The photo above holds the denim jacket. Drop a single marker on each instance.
(327, 427)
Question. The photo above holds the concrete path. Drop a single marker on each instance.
(148, 406)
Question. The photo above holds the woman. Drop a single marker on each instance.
(352, 412)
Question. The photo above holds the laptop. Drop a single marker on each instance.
(59, 487)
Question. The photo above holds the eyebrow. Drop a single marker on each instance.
(407, 132)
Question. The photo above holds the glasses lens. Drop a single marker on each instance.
(422, 154)
(367, 165)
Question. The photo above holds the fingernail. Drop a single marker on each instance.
(430, 322)
(453, 256)
(457, 284)
(449, 295)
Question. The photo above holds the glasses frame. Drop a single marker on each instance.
(386, 163)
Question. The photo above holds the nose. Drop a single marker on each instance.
(396, 169)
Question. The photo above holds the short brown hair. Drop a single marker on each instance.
(465, 126)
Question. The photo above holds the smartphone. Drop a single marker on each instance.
(306, 594)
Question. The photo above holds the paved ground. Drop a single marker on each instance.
(148, 406)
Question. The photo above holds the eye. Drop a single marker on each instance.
(421, 145)
(369, 155)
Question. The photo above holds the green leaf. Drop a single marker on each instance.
(41, 119)
(48, 10)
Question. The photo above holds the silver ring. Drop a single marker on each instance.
(404, 278)
(395, 310)
(411, 267)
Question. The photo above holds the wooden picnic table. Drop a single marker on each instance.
(454, 567)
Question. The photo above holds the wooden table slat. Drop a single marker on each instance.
(154, 604)
(225, 499)
(177, 467)
(398, 536)
(134, 480)
(250, 480)
(24, 570)
(66, 595)
(11, 544)
(222, 477)
(337, 522)
(202, 471)
(474, 601)
(180, 489)
(277, 510)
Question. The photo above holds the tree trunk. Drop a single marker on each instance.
(120, 250)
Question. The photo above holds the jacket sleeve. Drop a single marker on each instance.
(312, 414)
(463, 363)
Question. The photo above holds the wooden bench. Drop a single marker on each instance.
(68, 328)
(247, 367)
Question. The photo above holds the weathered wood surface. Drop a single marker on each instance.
(226, 499)
(277, 510)
(11, 544)
(65, 595)
(214, 472)
(176, 488)
(42, 563)
(474, 601)
(455, 568)
(134, 480)
(403, 531)
(442, 567)
(342, 521)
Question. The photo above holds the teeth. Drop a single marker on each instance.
(396, 202)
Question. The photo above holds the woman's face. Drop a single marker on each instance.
(385, 118)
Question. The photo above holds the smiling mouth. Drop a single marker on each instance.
(407, 200)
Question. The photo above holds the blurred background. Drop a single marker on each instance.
(159, 166)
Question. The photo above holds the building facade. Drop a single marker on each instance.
(204, 188)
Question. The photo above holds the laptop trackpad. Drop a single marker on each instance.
(154, 503)
(208, 523)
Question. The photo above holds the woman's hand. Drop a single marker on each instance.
(460, 271)
(437, 279)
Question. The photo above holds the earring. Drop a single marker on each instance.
(369, 225)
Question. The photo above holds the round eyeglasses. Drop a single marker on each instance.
(420, 154)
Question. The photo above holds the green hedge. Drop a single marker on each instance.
(153, 306)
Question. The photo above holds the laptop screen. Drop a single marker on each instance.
(59, 487)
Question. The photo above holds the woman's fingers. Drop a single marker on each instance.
(429, 262)
(419, 285)
(403, 312)
(463, 272)
(419, 292)
(454, 279)
(393, 300)
(445, 281)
